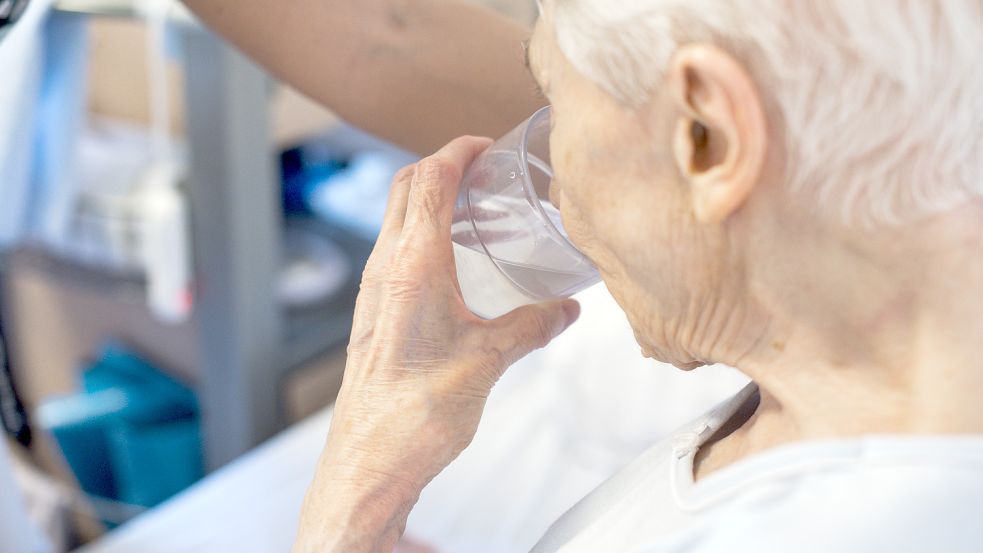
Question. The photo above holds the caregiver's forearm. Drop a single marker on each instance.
(416, 72)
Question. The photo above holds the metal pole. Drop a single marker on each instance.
(236, 221)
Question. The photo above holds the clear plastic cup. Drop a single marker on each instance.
(509, 243)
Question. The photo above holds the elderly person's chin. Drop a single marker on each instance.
(687, 366)
(658, 354)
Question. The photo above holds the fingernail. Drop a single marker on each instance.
(572, 310)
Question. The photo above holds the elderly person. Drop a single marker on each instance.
(791, 188)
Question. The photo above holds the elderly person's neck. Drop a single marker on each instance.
(883, 335)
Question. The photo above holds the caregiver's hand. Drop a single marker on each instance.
(420, 367)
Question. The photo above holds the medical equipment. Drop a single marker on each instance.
(509, 243)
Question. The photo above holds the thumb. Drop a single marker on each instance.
(534, 326)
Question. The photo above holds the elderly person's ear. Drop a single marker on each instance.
(720, 141)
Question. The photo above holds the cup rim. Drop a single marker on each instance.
(530, 190)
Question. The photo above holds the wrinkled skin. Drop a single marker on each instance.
(420, 365)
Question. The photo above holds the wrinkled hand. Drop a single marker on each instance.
(420, 366)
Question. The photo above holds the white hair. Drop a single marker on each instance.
(881, 101)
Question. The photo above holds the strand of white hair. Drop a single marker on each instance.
(880, 101)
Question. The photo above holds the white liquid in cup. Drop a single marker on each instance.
(493, 287)
(487, 292)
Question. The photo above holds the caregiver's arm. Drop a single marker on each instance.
(416, 72)
(419, 368)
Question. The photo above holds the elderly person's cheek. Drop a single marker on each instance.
(574, 223)
(554, 193)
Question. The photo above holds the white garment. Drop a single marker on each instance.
(875, 493)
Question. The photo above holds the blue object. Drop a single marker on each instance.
(132, 435)
(78, 423)
(343, 178)
(298, 167)
(149, 396)
(355, 197)
(166, 448)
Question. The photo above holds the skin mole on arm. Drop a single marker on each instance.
(397, 14)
